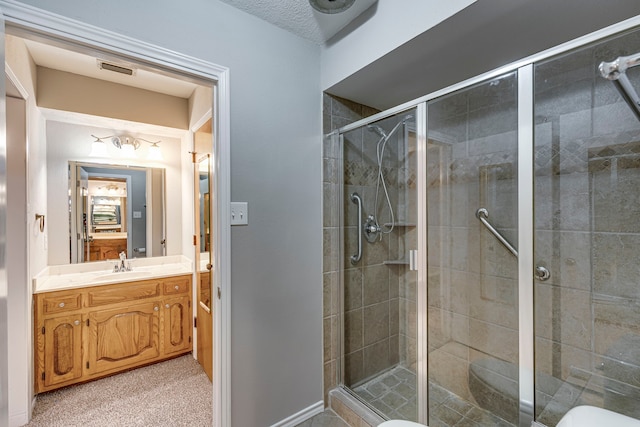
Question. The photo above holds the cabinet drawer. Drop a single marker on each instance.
(59, 303)
(176, 286)
(116, 294)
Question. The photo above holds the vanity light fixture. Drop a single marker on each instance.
(98, 147)
(154, 151)
(127, 144)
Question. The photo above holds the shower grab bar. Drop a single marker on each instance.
(616, 72)
(482, 214)
(355, 198)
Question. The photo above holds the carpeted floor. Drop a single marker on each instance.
(172, 393)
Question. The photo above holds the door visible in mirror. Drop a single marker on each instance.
(115, 209)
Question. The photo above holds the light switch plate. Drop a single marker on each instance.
(239, 213)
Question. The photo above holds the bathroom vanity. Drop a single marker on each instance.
(96, 323)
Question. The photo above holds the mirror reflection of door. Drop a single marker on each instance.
(82, 212)
(204, 255)
(116, 209)
(108, 228)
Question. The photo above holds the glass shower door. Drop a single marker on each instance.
(472, 174)
(379, 231)
(587, 228)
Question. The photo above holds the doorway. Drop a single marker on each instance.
(214, 76)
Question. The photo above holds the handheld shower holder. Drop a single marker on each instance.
(371, 229)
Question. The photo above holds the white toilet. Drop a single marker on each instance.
(590, 416)
(400, 423)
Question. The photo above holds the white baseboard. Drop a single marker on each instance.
(17, 420)
(301, 416)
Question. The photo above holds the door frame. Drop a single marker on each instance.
(23, 19)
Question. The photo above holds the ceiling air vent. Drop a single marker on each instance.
(116, 68)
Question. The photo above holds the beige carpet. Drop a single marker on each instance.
(172, 393)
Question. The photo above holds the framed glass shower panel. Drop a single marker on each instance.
(379, 232)
(587, 228)
(472, 202)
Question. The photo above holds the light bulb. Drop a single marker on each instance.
(98, 149)
(128, 150)
(154, 152)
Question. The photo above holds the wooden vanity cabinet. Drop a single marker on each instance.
(87, 333)
(123, 337)
(63, 342)
(177, 324)
(104, 249)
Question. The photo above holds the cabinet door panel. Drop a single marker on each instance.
(121, 337)
(105, 295)
(177, 324)
(63, 354)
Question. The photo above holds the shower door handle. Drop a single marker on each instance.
(542, 273)
(413, 260)
(355, 198)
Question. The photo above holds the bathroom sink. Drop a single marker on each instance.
(590, 416)
(122, 276)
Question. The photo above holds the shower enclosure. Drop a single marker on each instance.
(379, 231)
(490, 243)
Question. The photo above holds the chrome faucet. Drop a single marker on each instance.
(123, 265)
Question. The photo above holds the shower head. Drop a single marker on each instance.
(377, 129)
(331, 6)
(407, 118)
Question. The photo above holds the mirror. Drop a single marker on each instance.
(114, 209)
(204, 196)
(203, 178)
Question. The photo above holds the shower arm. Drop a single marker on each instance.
(482, 214)
(616, 72)
(355, 198)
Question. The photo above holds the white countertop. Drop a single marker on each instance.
(71, 276)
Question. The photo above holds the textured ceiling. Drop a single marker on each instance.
(298, 17)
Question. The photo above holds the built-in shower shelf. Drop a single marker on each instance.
(400, 224)
(396, 262)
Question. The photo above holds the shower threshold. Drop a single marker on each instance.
(393, 394)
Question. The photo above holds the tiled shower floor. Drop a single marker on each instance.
(394, 394)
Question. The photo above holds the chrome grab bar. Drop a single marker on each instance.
(616, 72)
(355, 198)
(482, 214)
(541, 273)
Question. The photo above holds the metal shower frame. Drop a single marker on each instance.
(524, 70)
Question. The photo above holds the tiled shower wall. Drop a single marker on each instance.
(337, 112)
(379, 300)
(371, 305)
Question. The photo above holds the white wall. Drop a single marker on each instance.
(21, 338)
(276, 131)
(199, 105)
(17, 268)
(384, 27)
(67, 142)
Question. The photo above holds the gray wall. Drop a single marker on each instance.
(276, 340)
